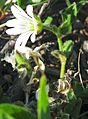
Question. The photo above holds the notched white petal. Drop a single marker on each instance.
(29, 10)
(22, 40)
(18, 12)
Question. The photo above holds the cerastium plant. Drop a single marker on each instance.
(27, 25)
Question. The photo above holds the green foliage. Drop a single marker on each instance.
(68, 3)
(67, 47)
(74, 105)
(48, 21)
(71, 10)
(37, 2)
(22, 3)
(2, 3)
(22, 62)
(80, 92)
(77, 94)
(66, 27)
(43, 104)
(81, 4)
(10, 111)
(52, 28)
(71, 96)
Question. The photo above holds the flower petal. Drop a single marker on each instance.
(33, 39)
(13, 31)
(29, 10)
(22, 40)
(18, 12)
(23, 26)
(41, 65)
(11, 23)
(24, 50)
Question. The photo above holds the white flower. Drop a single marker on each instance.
(24, 25)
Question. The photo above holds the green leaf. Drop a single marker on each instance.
(67, 47)
(81, 4)
(81, 92)
(68, 3)
(48, 21)
(2, 3)
(23, 62)
(71, 10)
(22, 3)
(52, 28)
(10, 111)
(74, 105)
(43, 104)
(37, 2)
(71, 96)
(4, 115)
(66, 27)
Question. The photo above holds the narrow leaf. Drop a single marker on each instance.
(43, 104)
(48, 21)
(71, 10)
(37, 2)
(67, 47)
(66, 27)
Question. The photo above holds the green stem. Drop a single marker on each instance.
(63, 60)
(62, 72)
(60, 44)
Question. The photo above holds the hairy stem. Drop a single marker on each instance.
(63, 60)
(62, 72)
(60, 44)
